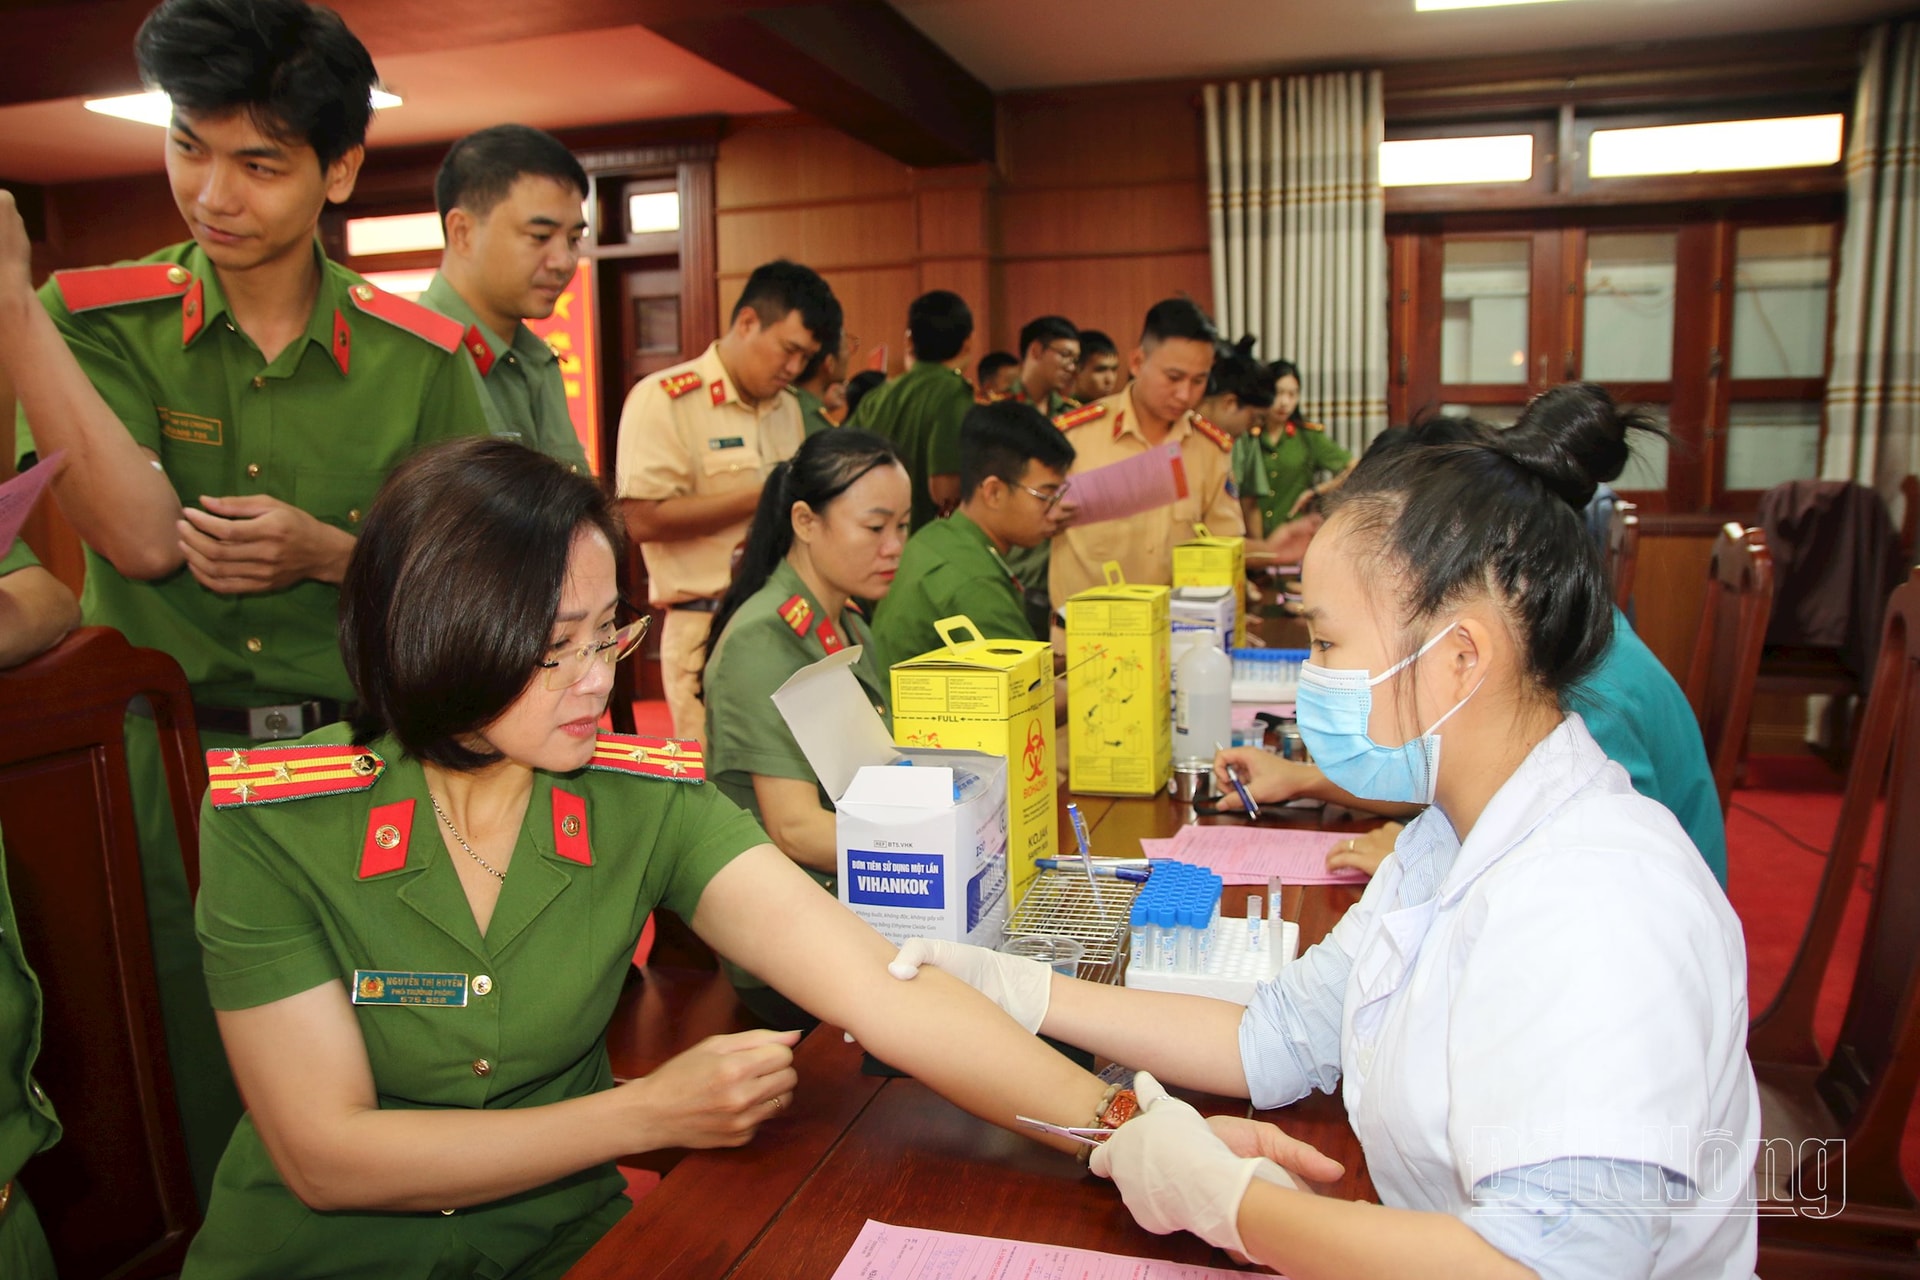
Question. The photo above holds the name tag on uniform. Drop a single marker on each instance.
(396, 986)
(727, 442)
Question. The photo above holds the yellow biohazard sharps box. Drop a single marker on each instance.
(994, 696)
(1211, 561)
(1120, 735)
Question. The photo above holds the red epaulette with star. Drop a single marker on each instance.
(268, 775)
(1080, 417)
(1213, 433)
(93, 287)
(678, 384)
(797, 613)
(424, 323)
(670, 758)
(1315, 426)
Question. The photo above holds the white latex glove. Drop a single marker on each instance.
(1174, 1172)
(1020, 986)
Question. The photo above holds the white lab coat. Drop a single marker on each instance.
(1577, 987)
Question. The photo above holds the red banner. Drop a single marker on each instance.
(569, 331)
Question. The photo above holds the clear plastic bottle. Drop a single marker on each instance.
(1203, 705)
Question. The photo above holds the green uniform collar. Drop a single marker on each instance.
(327, 328)
(526, 344)
(966, 527)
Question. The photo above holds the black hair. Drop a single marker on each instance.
(826, 465)
(858, 386)
(1095, 343)
(938, 325)
(1046, 330)
(482, 167)
(295, 69)
(1595, 428)
(1236, 373)
(484, 522)
(777, 289)
(990, 364)
(1179, 318)
(998, 439)
(1288, 369)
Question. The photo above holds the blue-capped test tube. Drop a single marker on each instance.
(1167, 939)
(1203, 941)
(1142, 946)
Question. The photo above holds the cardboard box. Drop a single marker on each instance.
(921, 834)
(1210, 561)
(994, 696)
(1215, 607)
(1120, 740)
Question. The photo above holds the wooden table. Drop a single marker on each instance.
(854, 1147)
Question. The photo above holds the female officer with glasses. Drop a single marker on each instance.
(1537, 1012)
(416, 927)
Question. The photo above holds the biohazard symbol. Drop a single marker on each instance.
(1034, 757)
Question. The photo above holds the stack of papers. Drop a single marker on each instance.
(1254, 855)
(885, 1252)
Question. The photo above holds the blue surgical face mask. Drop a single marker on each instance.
(1333, 708)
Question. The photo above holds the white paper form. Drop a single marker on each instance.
(1145, 482)
(886, 1252)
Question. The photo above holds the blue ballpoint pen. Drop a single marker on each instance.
(1086, 851)
(1240, 788)
(1131, 875)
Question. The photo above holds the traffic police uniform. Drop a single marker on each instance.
(776, 631)
(920, 413)
(813, 411)
(321, 862)
(522, 377)
(687, 432)
(1108, 431)
(950, 567)
(374, 379)
(1292, 455)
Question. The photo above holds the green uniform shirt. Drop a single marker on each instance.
(522, 377)
(1249, 476)
(286, 905)
(1056, 404)
(27, 1123)
(813, 411)
(1292, 456)
(18, 556)
(1029, 564)
(319, 428)
(920, 412)
(949, 567)
(757, 654)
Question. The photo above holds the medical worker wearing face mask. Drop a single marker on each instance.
(1536, 1014)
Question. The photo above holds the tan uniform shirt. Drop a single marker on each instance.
(685, 432)
(1108, 431)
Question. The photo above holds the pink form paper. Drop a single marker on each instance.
(1254, 855)
(18, 495)
(885, 1252)
(1144, 482)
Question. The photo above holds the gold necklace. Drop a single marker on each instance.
(462, 840)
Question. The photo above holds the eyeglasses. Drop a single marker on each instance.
(1051, 500)
(1065, 357)
(566, 670)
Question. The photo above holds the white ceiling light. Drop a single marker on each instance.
(153, 107)
(1430, 6)
(394, 233)
(1718, 146)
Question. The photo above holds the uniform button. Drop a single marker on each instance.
(482, 984)
(253, 471)
(448, 1213)
(254, 645)
(258, 382)
(177, 275)
(353, 515)
(481, 1067)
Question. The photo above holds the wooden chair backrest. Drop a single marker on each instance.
(1623, 551)
(115, 1194)
(1726, 652)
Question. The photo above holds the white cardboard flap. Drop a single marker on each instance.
(923, 788)
(837, 728)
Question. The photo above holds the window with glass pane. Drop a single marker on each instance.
(1781, 277)
(1628, 329)
(1772, 441)
(1484, 288)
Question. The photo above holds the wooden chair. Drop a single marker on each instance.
(1726, 652)
(1864, 1091)
(1623, 551)
(115, 1194)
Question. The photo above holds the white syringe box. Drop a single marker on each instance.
(1234, 966)
(922, 849)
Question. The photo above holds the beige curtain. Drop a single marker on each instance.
(1873, 393)
(1298, 226)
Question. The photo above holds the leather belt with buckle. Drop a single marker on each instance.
(695, 606)
(273, 722)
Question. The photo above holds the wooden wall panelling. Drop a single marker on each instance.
(1670, 584)
(1110, 294)
(780, 161)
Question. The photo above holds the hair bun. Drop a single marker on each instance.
(1574, 437)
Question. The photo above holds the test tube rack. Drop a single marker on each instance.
(1234, 965)
(1061, 904)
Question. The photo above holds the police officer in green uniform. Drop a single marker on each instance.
(228, 408)
(510, 204)
(1294, 452)
(35, 612)
(829, 529)
(824, 378)
(920, 411)
(416, 927)
(1239, 393)
(1013, 473)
